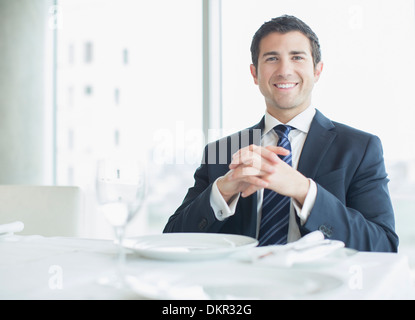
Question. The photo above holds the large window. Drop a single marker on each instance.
(129, 78)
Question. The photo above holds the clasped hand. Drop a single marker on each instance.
(254, 168)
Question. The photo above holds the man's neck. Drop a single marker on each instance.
(285, 115)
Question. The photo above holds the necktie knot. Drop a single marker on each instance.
(283, 130)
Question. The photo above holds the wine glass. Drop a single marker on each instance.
(120, 189)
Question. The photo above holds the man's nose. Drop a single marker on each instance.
(284, 68)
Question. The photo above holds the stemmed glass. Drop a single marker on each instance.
(120, 189)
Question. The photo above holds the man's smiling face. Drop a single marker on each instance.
(286, 74)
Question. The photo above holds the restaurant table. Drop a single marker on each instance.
(36, 267)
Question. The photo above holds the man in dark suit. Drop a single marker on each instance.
(336, 182)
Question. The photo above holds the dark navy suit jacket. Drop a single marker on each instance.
(352, 205)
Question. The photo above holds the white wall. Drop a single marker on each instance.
(26, 60)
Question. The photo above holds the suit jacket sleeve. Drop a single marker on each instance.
(353, 203)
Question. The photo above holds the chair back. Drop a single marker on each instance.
(44, 210)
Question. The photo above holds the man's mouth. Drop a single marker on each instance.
(285, 85)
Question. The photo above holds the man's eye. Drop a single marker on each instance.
(272, 59)
(297, 58)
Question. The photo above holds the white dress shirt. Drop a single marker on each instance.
(297, 137)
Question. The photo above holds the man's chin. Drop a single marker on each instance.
(285, 107)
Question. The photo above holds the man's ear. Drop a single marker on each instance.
(253, 73)
(317, 71)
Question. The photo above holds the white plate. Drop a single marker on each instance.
(189, 246)
(235, 282)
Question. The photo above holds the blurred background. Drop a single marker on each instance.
(81, 79)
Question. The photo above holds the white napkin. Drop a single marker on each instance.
(309, 248)
(12, 227)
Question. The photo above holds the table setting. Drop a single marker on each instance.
(212, 267)
(186, 266)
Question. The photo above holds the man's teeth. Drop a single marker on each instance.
(286, 85)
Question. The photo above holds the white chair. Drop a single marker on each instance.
(44, 210)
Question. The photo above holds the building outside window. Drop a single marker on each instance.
(129, 79)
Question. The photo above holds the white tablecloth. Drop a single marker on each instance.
(35, 267)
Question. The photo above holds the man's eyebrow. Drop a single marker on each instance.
(276, 53)
(271, 53)
(294, 53)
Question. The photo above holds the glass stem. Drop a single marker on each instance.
(119, 233)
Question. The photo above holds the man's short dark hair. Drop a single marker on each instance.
(285, 24)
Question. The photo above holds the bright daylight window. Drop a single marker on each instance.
(129, 78)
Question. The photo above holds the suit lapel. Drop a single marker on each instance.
(253, 134)
(247, 207)
(319, 139)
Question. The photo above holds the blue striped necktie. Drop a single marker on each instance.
(275, 207)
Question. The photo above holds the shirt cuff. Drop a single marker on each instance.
(304, 212)
(221, 209)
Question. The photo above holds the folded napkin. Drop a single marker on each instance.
(309, 248)
(12, 227)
